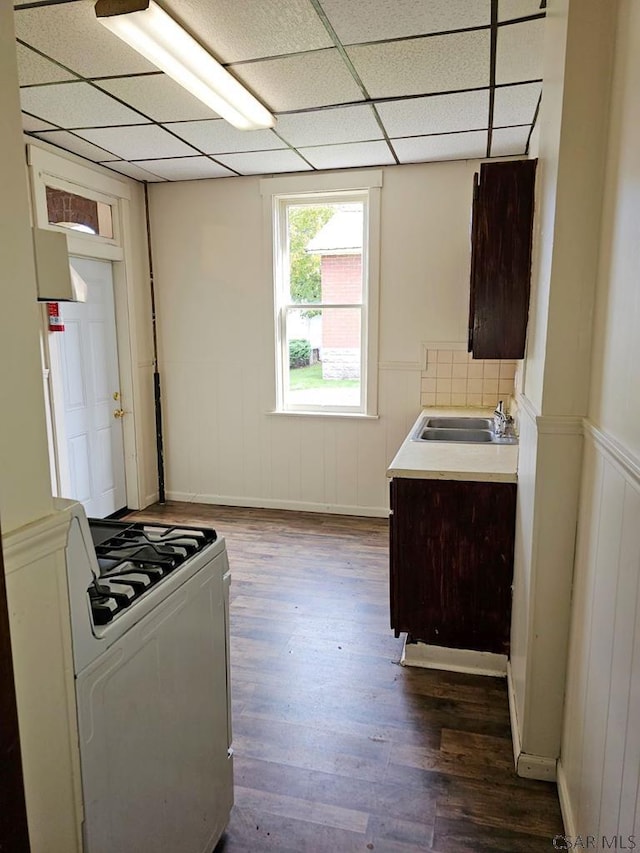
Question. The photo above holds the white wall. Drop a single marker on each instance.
(573, 116)
(600, 761)
(215, 314)
(32, 539)
(25, 492)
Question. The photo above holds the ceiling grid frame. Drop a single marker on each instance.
(342, 132)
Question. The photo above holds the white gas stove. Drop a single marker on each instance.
(149, 619)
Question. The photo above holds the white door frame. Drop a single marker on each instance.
(49, 169)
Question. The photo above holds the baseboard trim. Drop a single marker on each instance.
(268, 503)
(456, 660)
(513, 717)
(527, 766)
(536, 767)
(565, 803)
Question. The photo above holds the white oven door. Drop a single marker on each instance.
(154, 730)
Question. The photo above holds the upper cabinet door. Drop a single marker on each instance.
(501, 233)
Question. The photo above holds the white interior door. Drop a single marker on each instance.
(88, 406)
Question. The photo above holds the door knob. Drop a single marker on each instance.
(119, 413)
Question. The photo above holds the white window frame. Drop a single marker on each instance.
(278, 193)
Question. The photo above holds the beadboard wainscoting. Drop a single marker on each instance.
(314, 464)
(598, 772)
(214, 289)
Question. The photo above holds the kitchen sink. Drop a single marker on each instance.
(461, 431)
(464, 436)
(459, 423)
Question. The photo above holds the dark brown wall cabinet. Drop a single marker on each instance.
(501, 231)
(451, 556)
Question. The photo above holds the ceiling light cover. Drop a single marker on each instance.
(154, 34)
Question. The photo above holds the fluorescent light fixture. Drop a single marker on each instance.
(147, 28)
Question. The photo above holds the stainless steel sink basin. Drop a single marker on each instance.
(461, 431)
(463, 436)
(460, 423)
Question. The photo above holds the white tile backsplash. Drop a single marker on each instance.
(452, 378)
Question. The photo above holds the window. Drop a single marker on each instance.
(325, 301)
(69, 210)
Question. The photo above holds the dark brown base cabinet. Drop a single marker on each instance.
(451, 562)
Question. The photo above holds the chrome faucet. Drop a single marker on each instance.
(501, 420)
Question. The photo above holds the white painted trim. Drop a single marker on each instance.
(513, 717)
(47, 158)
(626, 462)
(359, 416)
(456, 345)
(34, 541)
(527, 766)
(269, 503)
(568, 819)
(550, 424)
(455, 660)
(536, 767)
(326, 182)
(400, 365)
(559, 425)
(66, 170)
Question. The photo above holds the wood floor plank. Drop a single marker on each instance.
(337, 748)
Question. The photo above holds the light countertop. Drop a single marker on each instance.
(440, 460)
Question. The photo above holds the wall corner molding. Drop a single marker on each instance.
(550, 424)
(527, 766)
(34, 541)
(623, 459)
(568, 818)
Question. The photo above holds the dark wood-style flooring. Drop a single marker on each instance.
(338, 748)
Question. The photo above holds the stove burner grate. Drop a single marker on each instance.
(132, 557)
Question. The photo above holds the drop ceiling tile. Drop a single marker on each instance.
(159, 97)
(509, 9)
(69, 142)
(507, 141)
(515, 104)
(265, 162)
(218, 136)
(131, 170)
(520, 51)
(251, 29)
(342, 124)
(298, 82)
(349, 156)
(448, 146)
(34, 69)
(185, 168)
(143, 142)
(32, 125)
(371, 20)
(76, 105)
(438, 114)
(422, 66)
(71, 34)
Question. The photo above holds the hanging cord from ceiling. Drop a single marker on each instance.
(156, 373)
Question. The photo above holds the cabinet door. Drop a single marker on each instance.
(501, 259)
(474, 242)
(453, 562)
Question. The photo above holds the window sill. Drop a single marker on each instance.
(344, 415)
